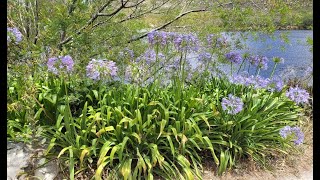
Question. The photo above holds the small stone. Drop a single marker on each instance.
(48, 171)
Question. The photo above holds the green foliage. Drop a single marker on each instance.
(154, 131)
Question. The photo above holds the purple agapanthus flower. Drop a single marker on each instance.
(261, 82)
(214, 41)
(15, 34)
(259, 61)
(98, 69)
(150, 56)
(287, 130)
(232, 104)
(67, 61)
(128, 73)
(210, 39)
(127, 52)
(257, 82)
(186, 42)
(276, 84)
(204, 57)
(51, 65)
(222, 41)
(298, 95)
(234, 57)
(160, 37)
(60, 64)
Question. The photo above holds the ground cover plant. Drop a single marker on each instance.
(148, 109)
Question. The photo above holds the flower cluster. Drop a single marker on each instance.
(222, 41)
(186, 42)
(182, 42)
(13, 34)
(259, 61)
(98, 69)
(232, 104)
(160, 37)
(215, 41)
(274, 84)
(150, 56)
(204, 57)
(128, 73)
(60, 64)
(127, 52)
(234, 57)
(298, 95)
(287, 130)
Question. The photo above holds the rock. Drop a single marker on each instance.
(48, 172)
(18, 155)
(19, 159)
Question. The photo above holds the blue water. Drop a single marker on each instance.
(296, 52)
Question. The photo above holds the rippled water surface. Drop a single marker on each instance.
(296, 52)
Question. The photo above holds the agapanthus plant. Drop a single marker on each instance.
(14, 35)
(274, 84)
(135, 73)
(160, 38)
(60, 64)
(232, 104)
(261, 62)
(186, 42)
(150, 56)
(214, 41)
(101, 69)
(298, 95)
(204, 57)
(287, 131)
(233, 57)
(127, 53)
(276, 61)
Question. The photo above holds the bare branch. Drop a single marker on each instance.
(173, 20)
(166, 24)
(135, 5)
(123, 4)
(134, 17)
(90, 21)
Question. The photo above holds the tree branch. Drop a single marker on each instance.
(135, 5)
(94, 17)
(173, 20)
(36, 20)
(133, 17)
(166, 24)
(123, 4)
